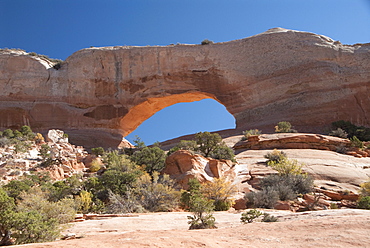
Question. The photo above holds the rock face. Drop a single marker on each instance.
(100, 95)
(182, 166)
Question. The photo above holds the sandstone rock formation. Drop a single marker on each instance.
(100, 95)
(182, 165)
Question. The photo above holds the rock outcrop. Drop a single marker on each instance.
(99, 95)
(182, 165)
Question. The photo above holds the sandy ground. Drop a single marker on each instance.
(327, 228)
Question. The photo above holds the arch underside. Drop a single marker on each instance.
(143, 111)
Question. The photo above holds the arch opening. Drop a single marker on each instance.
(170, 117)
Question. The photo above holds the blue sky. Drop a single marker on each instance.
(59, 28)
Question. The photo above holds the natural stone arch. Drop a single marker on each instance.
(145, 110)
(279, 75)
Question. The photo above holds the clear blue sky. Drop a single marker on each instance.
(59, 28)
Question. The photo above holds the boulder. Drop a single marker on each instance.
(56, 136)
(183, 165)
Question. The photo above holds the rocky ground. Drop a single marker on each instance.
(327, 228)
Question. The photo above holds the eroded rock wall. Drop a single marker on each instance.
(100, 95)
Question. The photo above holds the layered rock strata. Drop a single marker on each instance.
(99, 95)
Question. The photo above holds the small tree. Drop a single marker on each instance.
(201, 207)
(152, 158)
(207, 142)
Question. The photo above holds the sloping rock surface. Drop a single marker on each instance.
(99, 95)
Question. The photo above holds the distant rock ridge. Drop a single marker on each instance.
(99, 95)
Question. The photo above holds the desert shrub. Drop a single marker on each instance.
(194, 189)
(362, 133)
(115, 161)
(284, 127)
(17, 134)
(4, 142)
(127, 203)
(364, 202)
(39, 138)
(95, 166)
(286, 166)
(269, 218)
(8, 133)
(206, 42)
(97, 151)
(84, 201)
(222, 151)
(151, 158)
(365, 188)
(34, 219)
(21, 146)
(63, 211)
(250, 132)
(265, 198)
(44, 151)
(250, 216)
(355, 142)
(119, 182)
(65, 189)
(339, 133)
(157, 193)
(275, 156)
(27, 132)
(341, 149)
(221, 192)
(15, 187)
(288, 186)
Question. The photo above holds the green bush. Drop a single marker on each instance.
(98, 151)
(265, 198)
(157, 194)
(339, 133)
(288, 186)
(269, 218)
(250, 216)
(34, 219)
(355, 142)
(4, 142)
(206, 42)
(202, 209)
(364, 202)
(362, 133)
(286, 166)
(221, 192)
(275, 156)
(250, 132)
(284, 127)
(8, 133)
